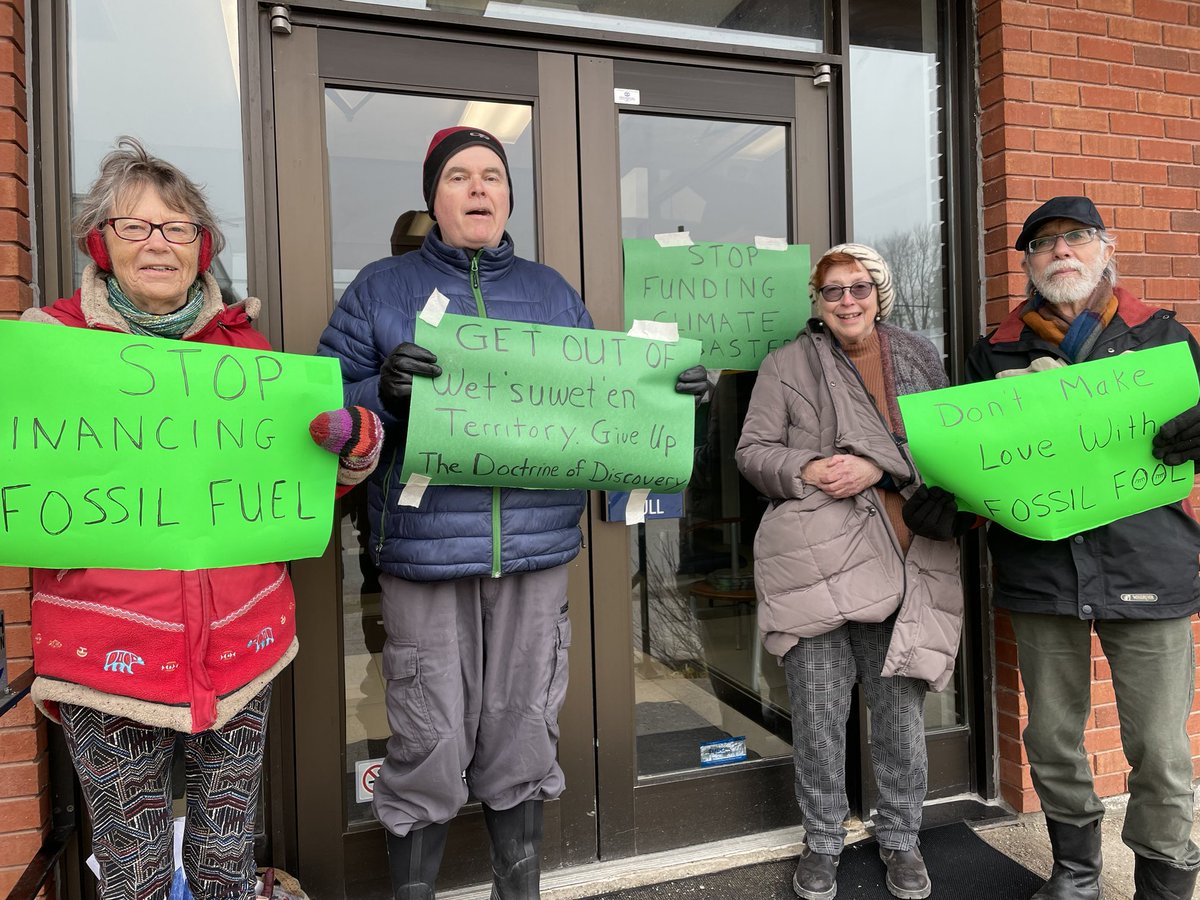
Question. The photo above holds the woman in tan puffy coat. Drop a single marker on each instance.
(845, 591)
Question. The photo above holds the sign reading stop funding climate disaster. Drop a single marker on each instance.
(540, 406)
(1053, 453)
(740, 301)
(143, 453)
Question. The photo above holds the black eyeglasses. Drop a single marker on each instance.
(127, 228)
(1073, 238)
(860, 290)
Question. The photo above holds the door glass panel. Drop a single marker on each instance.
(701, 674)
(794, 25)
(898, 187)
(376, 146)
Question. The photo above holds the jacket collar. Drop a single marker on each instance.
(494, 262)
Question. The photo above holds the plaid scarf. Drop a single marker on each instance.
(172, 325)
(1075, 338)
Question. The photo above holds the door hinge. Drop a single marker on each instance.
(822, 75)
(281, 19)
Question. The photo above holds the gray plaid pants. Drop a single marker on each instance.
(821, 672)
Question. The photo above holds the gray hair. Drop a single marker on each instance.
(131, 168)
(1110, 270)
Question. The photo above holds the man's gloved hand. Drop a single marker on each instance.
(692, 381)
(933, 513)
(355, 434)
(1179, 440)
(396, 375)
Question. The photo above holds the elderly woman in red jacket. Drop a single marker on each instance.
(208, 642)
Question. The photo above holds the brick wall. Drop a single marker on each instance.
(1101, 98)
(24, 771)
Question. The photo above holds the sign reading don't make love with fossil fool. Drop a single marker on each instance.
(540, 406)
(130, 452)
(1053, 453)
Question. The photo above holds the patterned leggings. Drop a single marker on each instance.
(125, 771)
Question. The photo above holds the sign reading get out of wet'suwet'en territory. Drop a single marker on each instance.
(1054, 453)
(541, 406)
(740, 301)
(144, 453)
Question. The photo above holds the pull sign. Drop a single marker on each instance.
(628, 96)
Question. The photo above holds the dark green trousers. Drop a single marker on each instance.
(1153, 673)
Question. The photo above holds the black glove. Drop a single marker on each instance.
(1179, 440)
(692, 381)
(396, 375)
(933, 513)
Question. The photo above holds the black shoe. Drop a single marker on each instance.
(907, 876)
(1154, 879)
(816, 875)
(516, 850)
(414, 861)
(1077, 862)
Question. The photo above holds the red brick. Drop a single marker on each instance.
(1151, 266)
(1136, 30)
(14, 228)
(1174, 244)
(1109, 146)
(1169, 197)
(12, 60)
(1007, 139)
(1054, 187)
(13, 95)
(1005, 88)
(1056, 142)
(1082, 119)
(1167, 151)
(1182, 129)
(1185, 221)
(1139, 172)
(1187, 267)
(1102, 739)
(1163, 104)
(1176, 36)
(13, 194)
(1031, 114)
(17, 638)
(1054, 43)
(1048, 91)
(1161, 58)
(1174, 11)
(23, 813)
(12, 26)
(19, 847)
(15, 607)
(14, 128)
(1135, 123)
(1102, 692)
(1084, 167)
(1070, 69)
(1075, 22)
(1182, 83)
(24, 779)
(1108, 762)
(15, 295)
(15, 260)
(1120, 7)
(1136, 77)
(1171, 289)
(13, 578)
(1111, 785)
(1096, 97)
(1105, 49)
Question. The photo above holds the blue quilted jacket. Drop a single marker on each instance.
(457, 531)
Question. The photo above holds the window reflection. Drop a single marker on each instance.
(701, 673)
(121, 53)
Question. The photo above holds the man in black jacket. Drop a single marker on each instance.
(1133, 582)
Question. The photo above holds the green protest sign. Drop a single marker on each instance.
(539, 406)
(739, 301)
(142, 453)
(1054, 453)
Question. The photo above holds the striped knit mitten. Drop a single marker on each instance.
(355, 434)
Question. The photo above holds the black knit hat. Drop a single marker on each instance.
(450, 141)
(1080, 209)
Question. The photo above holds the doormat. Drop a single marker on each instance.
(961, 865)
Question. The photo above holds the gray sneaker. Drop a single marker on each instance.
(907, 876)
(816, 875)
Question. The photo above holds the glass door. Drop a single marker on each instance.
(698, 728)
(355, 113)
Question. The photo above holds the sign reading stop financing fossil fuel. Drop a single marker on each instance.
(1054, 453)
(541, 406)
(739, 300)
(144, 453)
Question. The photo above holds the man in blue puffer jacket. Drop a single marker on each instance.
(474, 579)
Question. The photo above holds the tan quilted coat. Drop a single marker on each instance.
(818, 561)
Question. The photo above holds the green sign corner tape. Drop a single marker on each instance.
(1054, 453)
(541, 406)
(130, 452)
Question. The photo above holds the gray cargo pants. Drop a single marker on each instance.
(476, 673)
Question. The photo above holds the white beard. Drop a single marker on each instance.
(1075, 289)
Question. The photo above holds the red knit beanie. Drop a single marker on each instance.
(450, 141)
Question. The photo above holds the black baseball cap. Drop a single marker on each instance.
(1081, 209)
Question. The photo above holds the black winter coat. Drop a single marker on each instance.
(1141, 567)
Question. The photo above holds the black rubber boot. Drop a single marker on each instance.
(414, 861)
(1077, 861)
(1154, 879)
(516, 850)
(816, 875)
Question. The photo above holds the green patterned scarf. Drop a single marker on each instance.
(172, 325)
